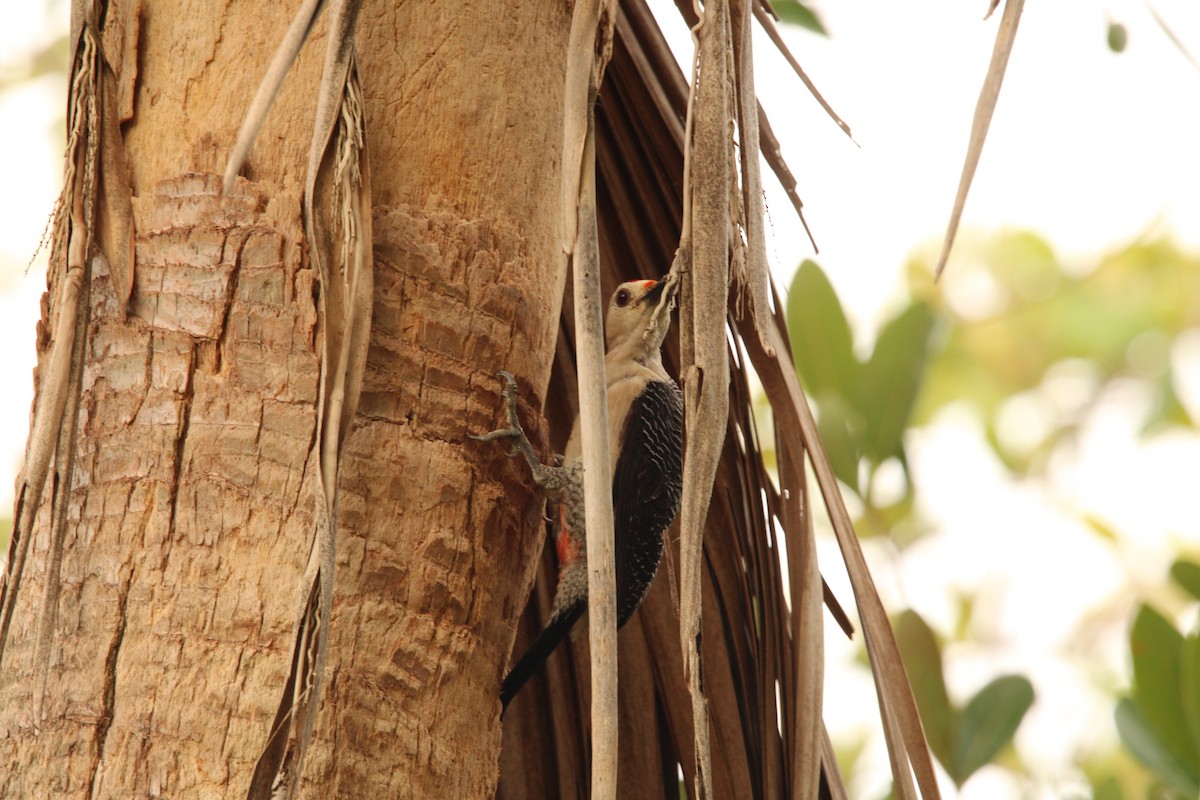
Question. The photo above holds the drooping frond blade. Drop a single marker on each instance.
(768, 25)
(1170, 34)
(988, 95)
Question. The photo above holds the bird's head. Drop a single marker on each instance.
(639, 314)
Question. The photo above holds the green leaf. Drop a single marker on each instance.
(797, 13)
(923, 662)
(988, 723)
(1146, 748)
(1157, 650)
(1108, 789)
(1187, 575)
(1189, 668)
(840, 430)
(821, 343)
(892, 377)
(1118, 37)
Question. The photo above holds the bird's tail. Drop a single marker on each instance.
(554, 632)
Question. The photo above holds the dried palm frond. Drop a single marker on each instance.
(761, 646)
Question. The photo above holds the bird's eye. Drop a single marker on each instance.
(622, 298)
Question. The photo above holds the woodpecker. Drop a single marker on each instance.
(645, 419)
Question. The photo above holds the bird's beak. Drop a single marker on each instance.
(655, 292)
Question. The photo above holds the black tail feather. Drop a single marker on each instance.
(554, 632)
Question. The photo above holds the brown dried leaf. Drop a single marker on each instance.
(1170, 34)
(589, 49)
(781, 386)
(705, 369)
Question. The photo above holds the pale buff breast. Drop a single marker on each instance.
(626, 380)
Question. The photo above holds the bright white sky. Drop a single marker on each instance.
(1088, 148)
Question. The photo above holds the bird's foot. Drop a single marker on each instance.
(514, 431)
(503, 433)
(554, 478)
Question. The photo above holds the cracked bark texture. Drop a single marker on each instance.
(189, 526)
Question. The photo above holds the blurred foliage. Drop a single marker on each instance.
(1118, 37)
(44, 58)
(1160, 721)
(1116, 775)
(798, 13)
(1026, 343)
(1186, 574)
(1031, 346)
(864, 405)
(41, 59)
(962, 738)
(1031, 329)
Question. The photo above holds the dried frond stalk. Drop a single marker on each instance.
(757, 275)
(768, 25)
(589, 49)
(268, 89)
(705, 370)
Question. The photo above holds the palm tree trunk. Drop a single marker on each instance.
(188, 509)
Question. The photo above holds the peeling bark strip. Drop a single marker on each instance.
(94, 210)
(337, 211)
(73, 229)
(268, 88)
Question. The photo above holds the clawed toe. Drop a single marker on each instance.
(509, 394)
